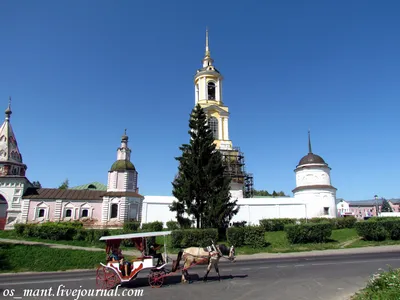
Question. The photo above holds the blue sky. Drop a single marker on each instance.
(79, 72)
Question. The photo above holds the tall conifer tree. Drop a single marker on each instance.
(201, 188)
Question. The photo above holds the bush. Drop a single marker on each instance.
(235, 236)
(193, 237)
(131, 226)
(345, 222)
(153, 226)
(276, 224)
(308, 233)
(254, 236)
(371, 231)
(172, 225)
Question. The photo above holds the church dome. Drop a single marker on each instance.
(311, 158)
(122, 165)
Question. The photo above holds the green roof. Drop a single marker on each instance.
(91, 186)
(122, 165)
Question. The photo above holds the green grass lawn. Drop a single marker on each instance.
(38, 258)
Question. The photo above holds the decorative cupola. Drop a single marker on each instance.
(123, 175)
(312, 171)
(11, 163)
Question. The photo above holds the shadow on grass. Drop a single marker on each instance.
(4, 259)
(331, 241)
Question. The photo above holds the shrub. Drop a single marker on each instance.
(19, 229)
(172, 225)
(131, 226)
(308, 233)
(371, 231)
(193, 237)
(254, 236)
(235, 236)
(153, 226)
(94, 235)
(276, 224)
(345, 222)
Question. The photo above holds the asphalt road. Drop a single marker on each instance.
(327, 277)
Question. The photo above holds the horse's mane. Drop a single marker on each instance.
(224, 249)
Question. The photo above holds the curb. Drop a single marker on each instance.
(329, 252)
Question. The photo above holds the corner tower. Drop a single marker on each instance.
(313, 185)
(208, 94)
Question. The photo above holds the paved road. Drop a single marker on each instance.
(327, 278)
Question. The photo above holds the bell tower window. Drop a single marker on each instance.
(211, 90)
(213, 123)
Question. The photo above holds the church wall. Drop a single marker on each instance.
(56, 210)
(36, 205)
(317, 175)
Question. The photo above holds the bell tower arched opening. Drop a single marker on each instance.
(211, 91)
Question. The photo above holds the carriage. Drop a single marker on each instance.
(114, 272)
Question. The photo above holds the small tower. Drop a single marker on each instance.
(208, 94)
(123, 175)
(13, 182)
(313, 185)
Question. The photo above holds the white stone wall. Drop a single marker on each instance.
(316, 200)
(317, 175)
(155, 208)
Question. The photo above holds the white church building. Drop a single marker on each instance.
(119, 201)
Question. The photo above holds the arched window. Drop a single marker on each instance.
(41, 213)
(211, 90)
(91, 187)
(213, 123)
(114, 211)
(85, 213)
(68, 213)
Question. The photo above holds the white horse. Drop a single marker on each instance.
(203, 256)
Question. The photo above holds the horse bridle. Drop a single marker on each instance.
(216, 248)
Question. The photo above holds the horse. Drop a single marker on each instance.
(203, 256)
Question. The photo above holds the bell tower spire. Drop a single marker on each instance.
(207, 60)
(309, 142)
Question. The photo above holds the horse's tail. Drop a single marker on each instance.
(175, 263)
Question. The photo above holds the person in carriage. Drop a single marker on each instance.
(116, 255)
(153, 252)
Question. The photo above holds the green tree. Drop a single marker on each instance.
(201, 188)
(36, 184)
(64, 185)
(386, 206)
